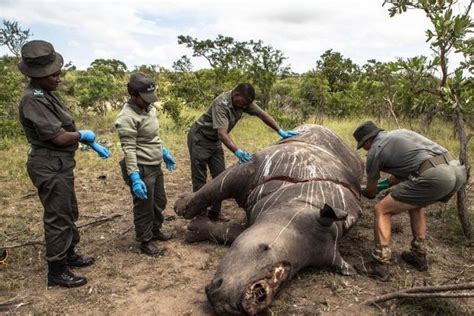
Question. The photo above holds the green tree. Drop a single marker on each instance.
(263, 64)
(102, 86)
(13, 37)
(449, 32)
(223, 54)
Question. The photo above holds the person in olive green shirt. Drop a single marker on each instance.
(207, 134)
(138, 129)
(52, 134)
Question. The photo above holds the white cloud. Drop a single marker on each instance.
(145, 32)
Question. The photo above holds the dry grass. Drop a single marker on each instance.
(123, 281)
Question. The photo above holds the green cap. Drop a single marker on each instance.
(38, 59)
(144, 85)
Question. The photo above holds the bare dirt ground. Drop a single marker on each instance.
(123, 281)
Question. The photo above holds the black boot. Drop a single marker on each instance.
(59, 275)
(75, 260)
(374, 269)
(149, 248)
(417, 260)
(161, 236)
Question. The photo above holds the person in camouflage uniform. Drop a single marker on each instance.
(53, 137)
(423, 172)
(207, 134)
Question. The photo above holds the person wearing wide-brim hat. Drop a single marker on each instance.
(53, 137)
(138, 129)
(423, 172)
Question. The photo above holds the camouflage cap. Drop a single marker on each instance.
(364, 132)
(144, 85)
(39, 59)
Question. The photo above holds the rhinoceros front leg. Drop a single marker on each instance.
(202, 228)
(232, 183)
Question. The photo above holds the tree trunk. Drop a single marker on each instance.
(461, 195)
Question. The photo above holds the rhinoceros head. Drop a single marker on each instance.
(269, 253)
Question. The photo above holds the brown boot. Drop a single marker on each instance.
(374, 269)
(149, 248)
(417, 260)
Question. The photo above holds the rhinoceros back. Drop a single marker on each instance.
(313, 168)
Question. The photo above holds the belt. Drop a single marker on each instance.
(49, 152)
(434, 161)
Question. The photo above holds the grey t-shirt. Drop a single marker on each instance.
(400, 153)
(223, 114)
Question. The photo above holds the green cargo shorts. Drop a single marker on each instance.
(439, 183)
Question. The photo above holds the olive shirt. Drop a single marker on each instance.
(400, 153)
(138, 130)
(223, 114)
(43, 117)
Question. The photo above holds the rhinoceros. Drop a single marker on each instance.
(301, 195)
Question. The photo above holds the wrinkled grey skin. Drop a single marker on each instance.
(300, 195)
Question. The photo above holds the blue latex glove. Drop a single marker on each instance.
(243, 156)
(138, 186)
(169, 160)
(87, 136)
(285, 134)
(101, 150)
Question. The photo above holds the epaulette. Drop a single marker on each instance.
(38, 93)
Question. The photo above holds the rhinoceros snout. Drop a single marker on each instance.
(219, 302)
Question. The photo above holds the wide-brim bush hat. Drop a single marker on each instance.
(39, 59)
(365, 131)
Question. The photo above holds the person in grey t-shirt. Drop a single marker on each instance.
(424, 173)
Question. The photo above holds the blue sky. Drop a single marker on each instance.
(145, 32)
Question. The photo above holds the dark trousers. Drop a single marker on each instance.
(147, 214)
(53, 176)
(203, 153)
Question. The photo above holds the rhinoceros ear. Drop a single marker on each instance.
(329, 214)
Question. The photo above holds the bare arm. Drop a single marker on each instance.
(269, 121)
(371, 190)
(224, 137)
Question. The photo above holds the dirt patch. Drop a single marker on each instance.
(123, 281)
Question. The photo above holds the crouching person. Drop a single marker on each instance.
(138, 129)
(424, 172)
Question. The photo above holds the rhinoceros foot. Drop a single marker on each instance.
(198, 229)
(260, 294)
(181, 204)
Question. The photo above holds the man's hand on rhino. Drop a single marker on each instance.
(286, 134)
(243, 156)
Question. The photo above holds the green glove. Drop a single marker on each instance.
(383, 184)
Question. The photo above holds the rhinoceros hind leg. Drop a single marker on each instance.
(202, 228)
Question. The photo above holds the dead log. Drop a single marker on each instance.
(425, 292)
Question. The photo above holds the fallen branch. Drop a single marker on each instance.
(424, 292)
(12, 303)
(39, 242)
(28, 243)
(100, 221)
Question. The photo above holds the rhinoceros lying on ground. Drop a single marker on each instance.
(300, 195)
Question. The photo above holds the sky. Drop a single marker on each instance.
(145, 32)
